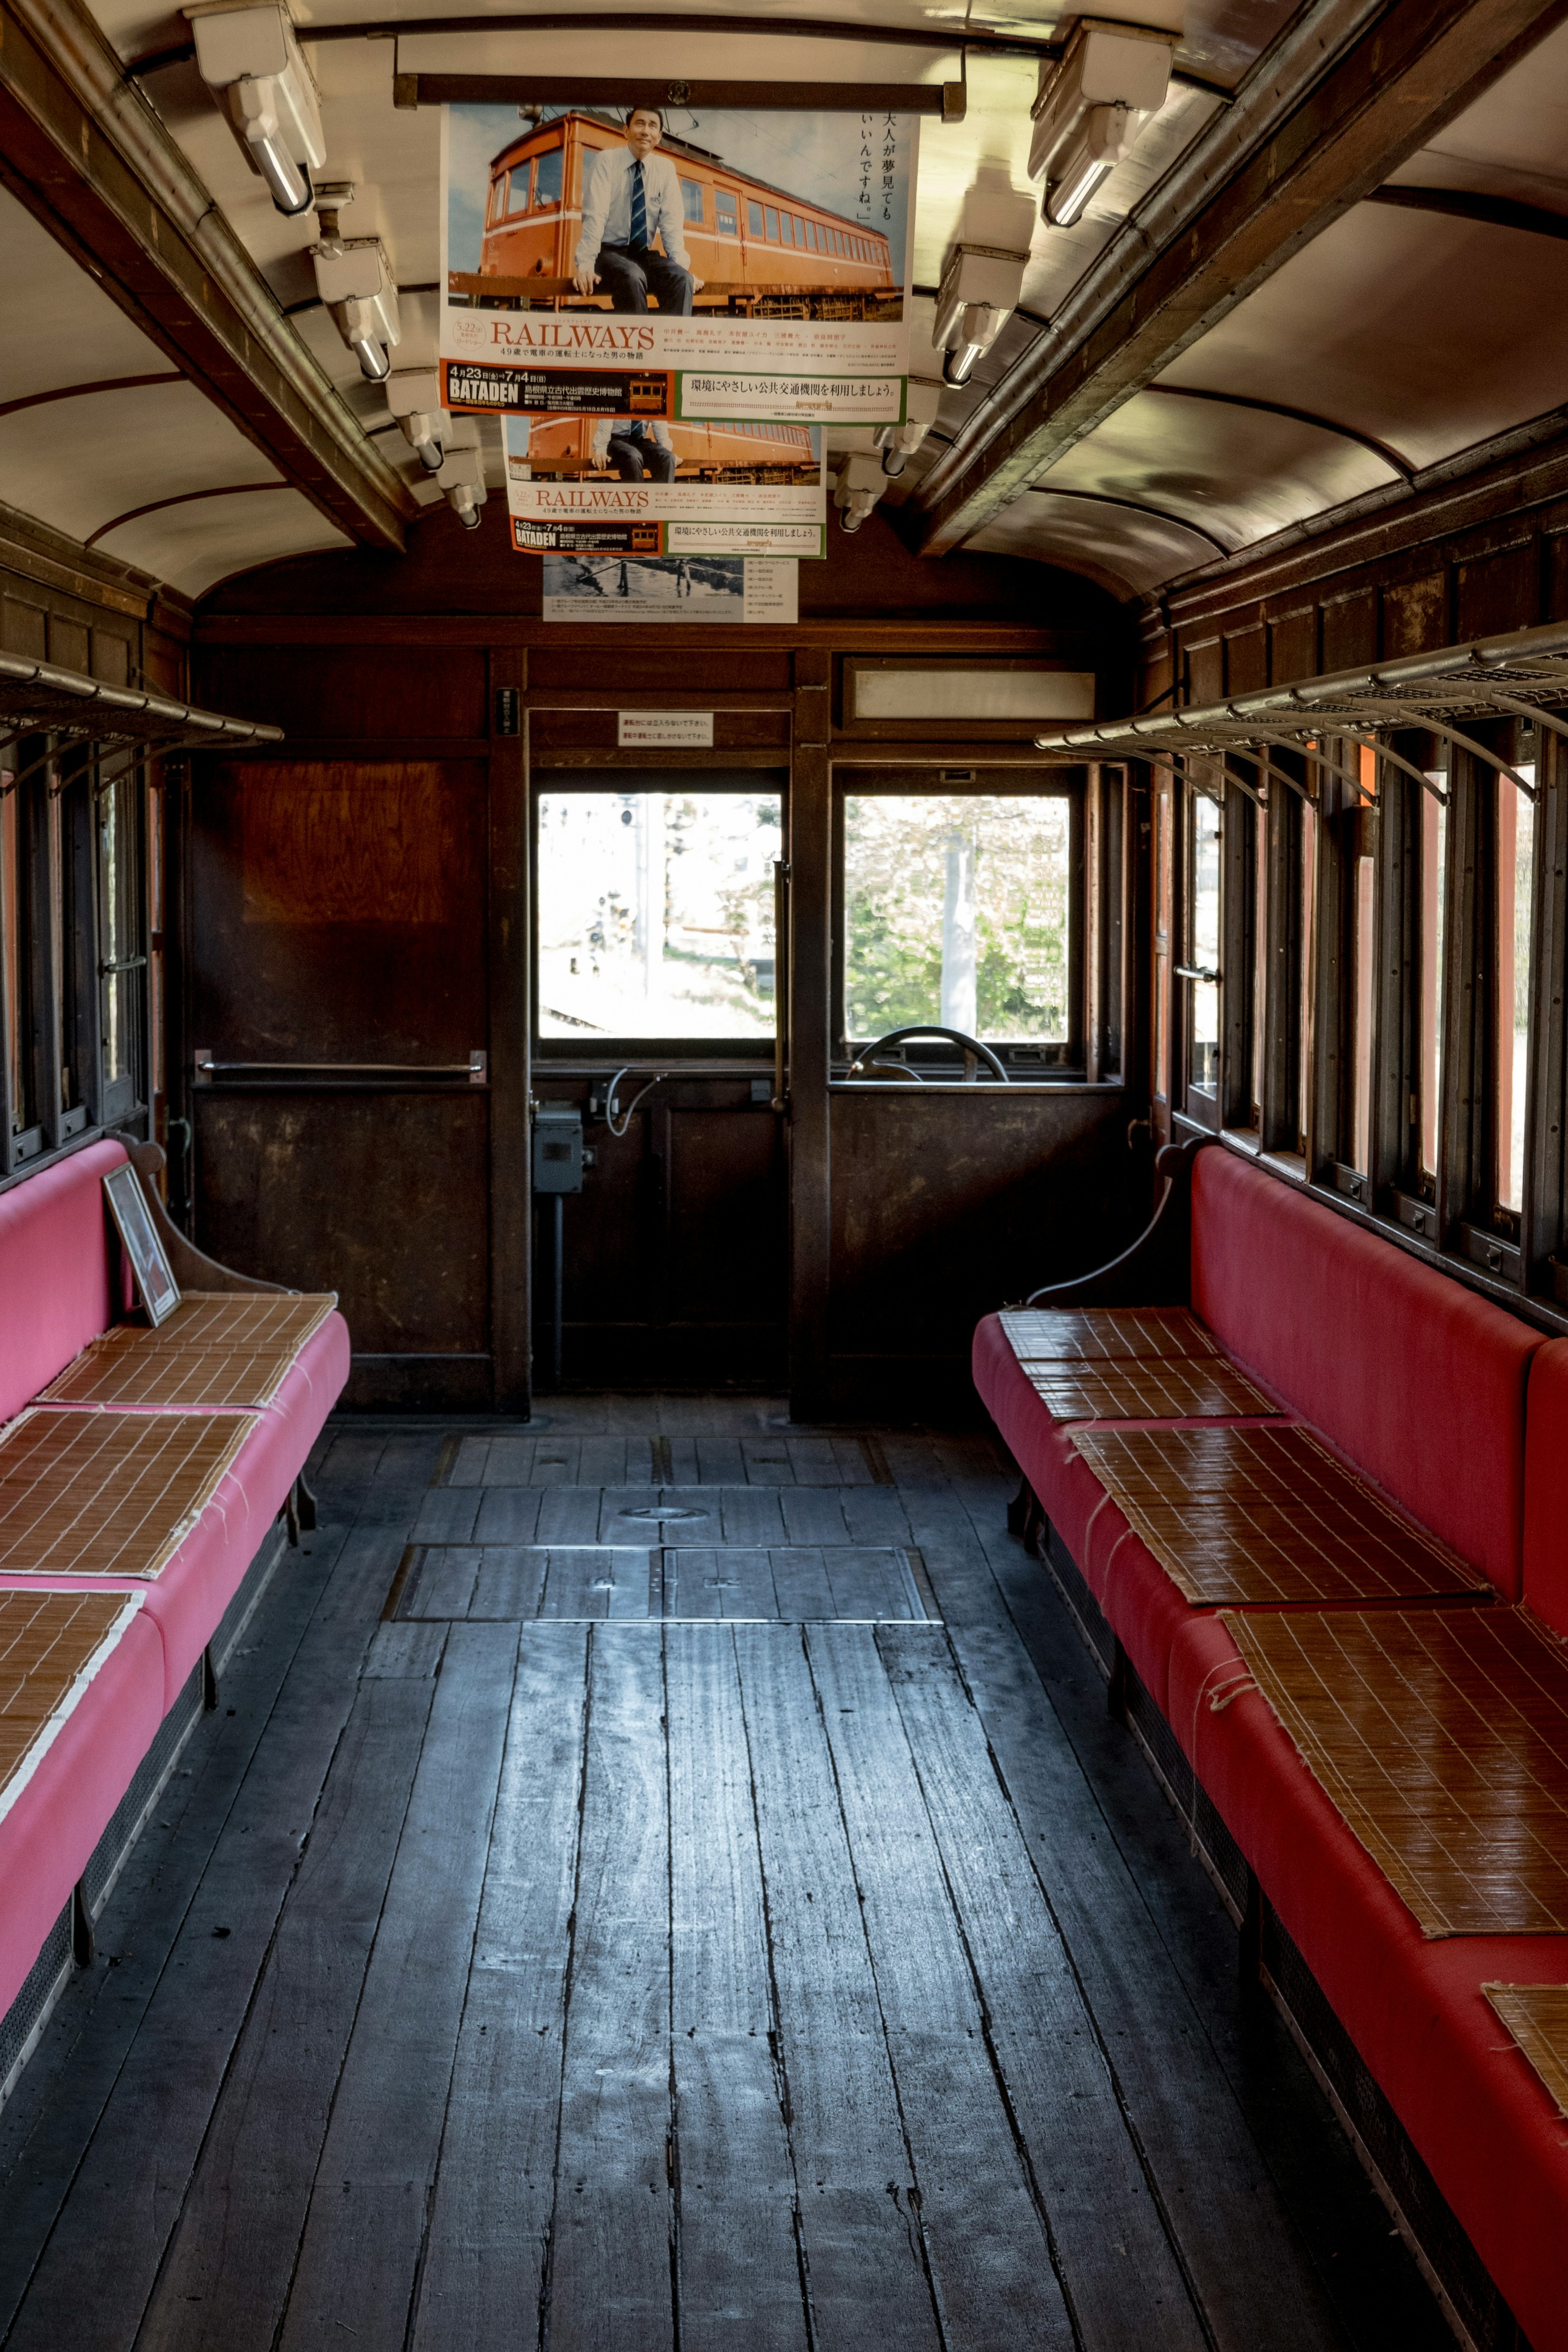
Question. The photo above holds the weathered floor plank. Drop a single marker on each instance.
(609, 2287)
(737, 2264)
(489, 2232)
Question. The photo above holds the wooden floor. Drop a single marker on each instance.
(779, 1950)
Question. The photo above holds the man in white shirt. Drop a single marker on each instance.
(630, 196)
(636, 446)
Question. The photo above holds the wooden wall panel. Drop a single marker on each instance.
(1496, 593)
(1205, 671)
(1293, 645)
(945, 1206)
(1416, 615)
(338, 912)
(551, 731)
(365, 692)
(1247, 659)
(617, 674)
(382, 1198)
(1349, 630)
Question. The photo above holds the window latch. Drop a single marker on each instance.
(1196, 971)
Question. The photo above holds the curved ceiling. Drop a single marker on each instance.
(1391, 340)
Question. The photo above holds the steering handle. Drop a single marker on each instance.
(972, 1045)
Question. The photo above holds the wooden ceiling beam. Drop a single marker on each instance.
(1349, 94)
(83, 149)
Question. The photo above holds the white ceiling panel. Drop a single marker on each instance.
(193, 547)
(1429, 334)
(76, 464)
(1513, 141)
(1237, 472)
(1116, 547)
(59, 328)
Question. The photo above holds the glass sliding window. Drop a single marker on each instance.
(123, 961)
(16, 972)
(1433, 888)
(1306, 978)
(655, 914)
(1515, 899)
(1203, 941)
(1163, 916)
(959, 910)
(1259, 881)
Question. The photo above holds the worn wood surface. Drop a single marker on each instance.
(817, 1985)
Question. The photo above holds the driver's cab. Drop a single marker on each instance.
(841, 1038)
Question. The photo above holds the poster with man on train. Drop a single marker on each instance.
(633, 485)
(682, 268)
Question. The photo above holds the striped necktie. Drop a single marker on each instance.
(639, 207)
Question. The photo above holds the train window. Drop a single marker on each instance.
(1515, 868)
(1363, 924)
(656, 913)
(121, 962)
(799, 230)
(547, 177)
(1258, 879)
(725, 218)
(772, 220)
(692, 202)
(962, 909)
(754, 219)
(515, 197)
(1306, 978)
(1432, 883)
(1203, 966)
(17, 973)
(1159, 1082)
(786, 234)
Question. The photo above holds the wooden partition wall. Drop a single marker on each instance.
(354, 1017)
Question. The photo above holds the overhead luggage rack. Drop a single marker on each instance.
(38, 699)
(1523, 676)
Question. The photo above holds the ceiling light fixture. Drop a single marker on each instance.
(860, 484)
(251, 56)
(462, 471)
(897, 443)
(354, 280)
(413, 399)
(1090, 106)
(985, 276)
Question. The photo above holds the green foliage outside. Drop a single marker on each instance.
(896, 881)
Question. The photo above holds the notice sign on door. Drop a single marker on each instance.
(692, 730)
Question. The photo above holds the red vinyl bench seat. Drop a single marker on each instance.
(1458, 1414)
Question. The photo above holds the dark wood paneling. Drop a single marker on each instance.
(24, 629)
(1496, 593)
(1247, 659)
(1205, 671)
(617, 675)
(1293, 645)
(358, 691)
(1349, 630)
(383, 1198)
(728, 1238)
(1416, 615)
(337, 913)
(946, 1205)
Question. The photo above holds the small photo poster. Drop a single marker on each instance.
(155, 1284)
(700, 591)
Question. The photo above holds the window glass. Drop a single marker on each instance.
(1364, 910)
(1305, 977)
(655, 914)
(15, 970)
(691, 201)
(754, 219)
(786, 234)
(1516, 876)
(547, 177)
(800, 232)
(1203, 941)
(725, 218)
(121, 960)
(1259, 958)
(773, 224)
(1429, 1017)
(1163, 916)
(958, 910)
(517, 190)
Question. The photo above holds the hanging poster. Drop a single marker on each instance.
(660, 264)
(633, 485)
(700, 590)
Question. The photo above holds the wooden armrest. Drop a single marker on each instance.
(1157, 1270)
(191, 1269)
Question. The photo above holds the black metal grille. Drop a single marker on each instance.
(34, 2000)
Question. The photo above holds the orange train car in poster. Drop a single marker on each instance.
(561, 448)
(761, 251)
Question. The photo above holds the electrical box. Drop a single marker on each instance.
(558, 1148)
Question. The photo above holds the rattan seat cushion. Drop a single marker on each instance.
(1163, 1388)
(265, 1322)
(1266, 1517)
(112, 1373)
(1441, 1737)
(1537, 2017)
(1103, 1334)
(109, 1494)
(50, 1645)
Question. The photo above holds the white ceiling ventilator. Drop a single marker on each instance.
(251, 57)
(413, 400)
(354, 280)
(1091, 104)
(985, 276)
(462, 472)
